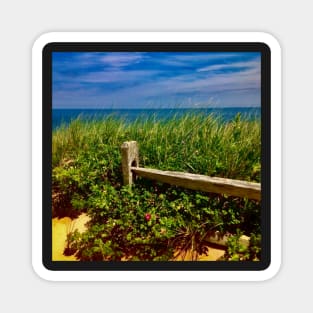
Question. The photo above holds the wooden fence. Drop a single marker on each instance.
(238, 188)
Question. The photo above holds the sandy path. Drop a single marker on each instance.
(60, 228)
(213, 255)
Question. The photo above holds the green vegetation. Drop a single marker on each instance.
(151, 220)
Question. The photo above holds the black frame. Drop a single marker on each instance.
(158, 47)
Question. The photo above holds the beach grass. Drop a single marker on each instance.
(192, 143)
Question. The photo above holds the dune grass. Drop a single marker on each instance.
(192, 143)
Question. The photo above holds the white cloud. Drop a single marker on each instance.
(182, 59)
(121, 59)
(225, 66)
(115, 76)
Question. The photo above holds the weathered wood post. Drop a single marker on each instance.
(130, 158)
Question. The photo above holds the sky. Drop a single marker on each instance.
(130, 80)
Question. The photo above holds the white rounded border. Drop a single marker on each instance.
(276, 125)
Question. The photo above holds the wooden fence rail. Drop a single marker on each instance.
(238, 188)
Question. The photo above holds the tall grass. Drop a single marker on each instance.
(192, 143)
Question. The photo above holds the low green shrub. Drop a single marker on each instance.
(151, 223)
(237, 251)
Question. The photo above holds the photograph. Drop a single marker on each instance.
(156, 155)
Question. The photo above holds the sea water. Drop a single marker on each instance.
(65, 116)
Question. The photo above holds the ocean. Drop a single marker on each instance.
(65, 116)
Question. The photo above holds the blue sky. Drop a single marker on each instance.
(155, 79)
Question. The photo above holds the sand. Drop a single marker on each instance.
(60, 228)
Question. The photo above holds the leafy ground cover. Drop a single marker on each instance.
(150, 221)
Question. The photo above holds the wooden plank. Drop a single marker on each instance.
(219, 185)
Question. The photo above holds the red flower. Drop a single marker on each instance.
(147, 216)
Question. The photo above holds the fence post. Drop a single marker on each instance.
(130, 158)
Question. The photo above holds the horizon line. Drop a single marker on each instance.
(159, 108)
